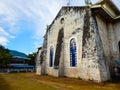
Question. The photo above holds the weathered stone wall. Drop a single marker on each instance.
(78, 23)
(105, 40)
(93, 53)
(103, 30)
(97, 38)
(114, 54)
(89, 65)
(38, 66)
(41, 58)
(116, 32)
(109, 32)
(101, 53)
(72, 26)
(73, 29)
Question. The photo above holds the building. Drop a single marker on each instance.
(19, 62)
(82, 42)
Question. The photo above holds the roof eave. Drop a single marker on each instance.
(99, 6)
(110, 2)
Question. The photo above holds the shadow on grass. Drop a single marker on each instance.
(3, 84)
(115, 81)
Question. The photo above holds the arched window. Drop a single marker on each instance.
(73, 56)
(51, 56)
(62, 21)
(119, 45)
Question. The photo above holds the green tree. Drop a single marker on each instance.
(5, 57)
(32, 57)
(88, 2)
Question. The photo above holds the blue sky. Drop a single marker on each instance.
(23, 22)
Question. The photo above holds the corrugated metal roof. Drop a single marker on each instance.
(21, 57)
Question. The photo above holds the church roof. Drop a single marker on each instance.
(110, 2)
(106, 8)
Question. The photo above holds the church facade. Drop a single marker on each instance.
(82, 42)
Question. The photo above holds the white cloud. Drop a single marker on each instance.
(8, 16)
(4, 37)
(40, 12)
(3, 41)
(3, 32)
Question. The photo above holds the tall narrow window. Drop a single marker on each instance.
(73, 56)
(51, 56)
(119, 45)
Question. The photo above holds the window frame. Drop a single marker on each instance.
(119, 46)
(73, 52)
(51, 56)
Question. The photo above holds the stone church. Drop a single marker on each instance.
(82, 42)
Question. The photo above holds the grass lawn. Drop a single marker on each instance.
(30, 81)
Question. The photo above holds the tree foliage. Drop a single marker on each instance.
(32, 57)
(88, 2)
(5, 57)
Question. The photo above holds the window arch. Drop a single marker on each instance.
(51, 56)
(119, 45)
(62, 20)
(73, 55)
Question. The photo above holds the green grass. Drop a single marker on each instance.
(30, 81)
(21, 81)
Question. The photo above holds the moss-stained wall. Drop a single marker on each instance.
(92, 51)
(72, 26)
(80, 24)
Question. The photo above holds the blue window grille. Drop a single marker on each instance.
(51, 56)
(73, 56)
